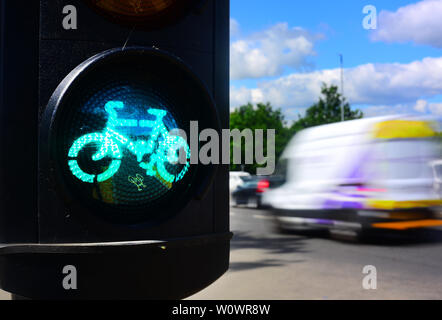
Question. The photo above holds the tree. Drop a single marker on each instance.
(263, 116)
(326, 110)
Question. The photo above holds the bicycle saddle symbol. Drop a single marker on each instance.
(161, 147)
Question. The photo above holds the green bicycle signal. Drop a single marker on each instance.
(161, 148)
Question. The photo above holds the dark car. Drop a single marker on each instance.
(251, 191)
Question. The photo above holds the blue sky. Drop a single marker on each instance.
(282, 52)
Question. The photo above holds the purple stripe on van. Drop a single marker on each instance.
(339, 204)
(324, 221)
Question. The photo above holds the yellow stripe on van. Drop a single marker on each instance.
(402, 129)
(392, 204)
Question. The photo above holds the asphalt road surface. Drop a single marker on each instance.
(267, 265)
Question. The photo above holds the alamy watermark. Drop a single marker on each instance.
(370, 21)
(70, 18)
(370, 281)
(70, 280)
(209, 147)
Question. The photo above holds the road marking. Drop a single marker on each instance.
(258, 216)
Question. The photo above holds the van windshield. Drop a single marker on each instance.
(404, 158)
(281, 169)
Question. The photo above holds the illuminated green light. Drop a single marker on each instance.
(110, 172)
(80, 174)
(161, 148)
(107, 147)
(127, 123)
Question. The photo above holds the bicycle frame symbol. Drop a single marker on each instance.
(161, 147)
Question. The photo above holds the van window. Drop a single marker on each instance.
(281, 172)
(404, 158)
(438, 171)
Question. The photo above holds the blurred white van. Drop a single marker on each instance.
(360, 174)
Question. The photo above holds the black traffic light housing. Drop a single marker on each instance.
(170, 249)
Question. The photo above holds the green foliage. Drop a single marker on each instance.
(263, 116)
(327, 110)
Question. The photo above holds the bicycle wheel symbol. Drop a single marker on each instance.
(96, 138)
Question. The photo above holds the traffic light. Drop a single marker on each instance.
(99, 197)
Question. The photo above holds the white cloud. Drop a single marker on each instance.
(421, 105)
(435, 108)
(431, 107)
(234, 27)
(384, 110)
(420, 23)
(368, 84)
(267, 53)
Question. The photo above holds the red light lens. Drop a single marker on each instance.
(147, 13)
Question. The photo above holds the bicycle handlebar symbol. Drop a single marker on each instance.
(161, 147)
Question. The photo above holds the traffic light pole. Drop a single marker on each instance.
(90, 190)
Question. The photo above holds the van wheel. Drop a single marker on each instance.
(278, 228)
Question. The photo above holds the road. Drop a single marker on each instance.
(266, 265)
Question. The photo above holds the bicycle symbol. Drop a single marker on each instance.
(161, 147)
